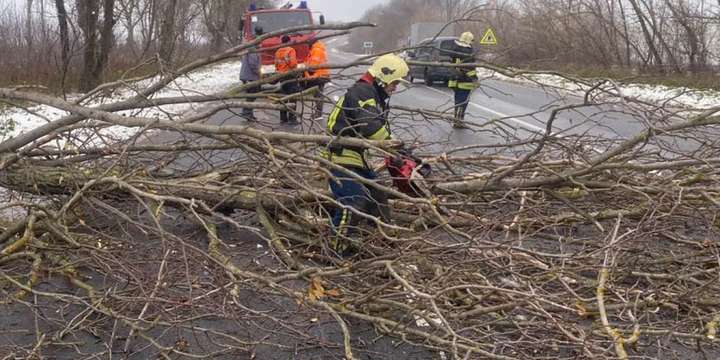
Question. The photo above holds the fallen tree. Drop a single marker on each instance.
(170, 242)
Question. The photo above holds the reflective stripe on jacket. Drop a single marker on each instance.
(465, 78)
(361, 113)
(285, 59)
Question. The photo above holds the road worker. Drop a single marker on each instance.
(285, 62)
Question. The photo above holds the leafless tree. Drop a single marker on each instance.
(98, 42)
(29, 24)
(62, 18)
(197, 238)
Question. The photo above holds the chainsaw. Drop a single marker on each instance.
(401, 169)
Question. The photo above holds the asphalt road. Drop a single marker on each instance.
(523, 110)
(520, 111)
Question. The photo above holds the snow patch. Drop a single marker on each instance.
(658, 94)
(208, 80)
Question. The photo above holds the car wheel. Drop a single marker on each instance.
(428, 80)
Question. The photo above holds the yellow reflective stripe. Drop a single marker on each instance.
(346, 157)
(334, 114)
(381, 134)
(370, 102)
(345, 218)
(472, 73)
(466, 85)
(452, 83)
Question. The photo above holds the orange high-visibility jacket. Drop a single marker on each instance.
(285, 59)
(317, 56)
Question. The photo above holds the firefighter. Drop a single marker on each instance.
(286, 61)
(361, 113)
(319, 76)
(250, 72)
(465, 79)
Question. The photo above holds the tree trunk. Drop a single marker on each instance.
(628, 59)
(682, 17)
(87, 19)
(658, 32)
(64, 38)
(107, 39)
(29, 25)
(131, 42)
(97, 48)
(43, 21)
(128, 13)
(167, 32)
(214, 18)
(646, 33)
(149, 28)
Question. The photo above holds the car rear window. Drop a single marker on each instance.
(447, 44)
(446, 48)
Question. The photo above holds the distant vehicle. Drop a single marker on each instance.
(277, 19)
(422, 31)
(432, 50)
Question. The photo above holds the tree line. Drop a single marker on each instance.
(669, 36)
(80, 44)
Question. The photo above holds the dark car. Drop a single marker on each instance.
(432, 50)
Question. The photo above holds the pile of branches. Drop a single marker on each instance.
(197, 240)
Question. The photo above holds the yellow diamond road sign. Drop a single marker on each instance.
(489, 38)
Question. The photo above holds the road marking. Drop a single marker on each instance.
(506, 116)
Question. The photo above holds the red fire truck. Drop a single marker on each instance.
(277, 19)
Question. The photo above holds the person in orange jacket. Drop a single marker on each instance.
(286, 61)
(317, 76)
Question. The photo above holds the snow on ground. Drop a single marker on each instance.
(677, 97)
(222, 76)
(208, 80)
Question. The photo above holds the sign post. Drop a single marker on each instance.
(368, 45)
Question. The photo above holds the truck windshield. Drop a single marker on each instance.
(274, 21)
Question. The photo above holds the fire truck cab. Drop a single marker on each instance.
(271, 20)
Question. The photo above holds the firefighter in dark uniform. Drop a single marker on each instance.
(361, 113)
(465, 79)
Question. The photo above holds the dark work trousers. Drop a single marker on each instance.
(320, 83)
(289, 87)
(461, 103)
(351, 193)
(247, 113)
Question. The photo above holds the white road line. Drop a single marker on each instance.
(505, 116)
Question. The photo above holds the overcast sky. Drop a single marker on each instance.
(343, 10)
(334, 10)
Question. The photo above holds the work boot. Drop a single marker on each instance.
(318, 113)
(292, 119)
(458, 124)
(249, 116)
(459, 121)
(283, 116)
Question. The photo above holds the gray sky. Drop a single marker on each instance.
(342, 10)
(334, 10)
